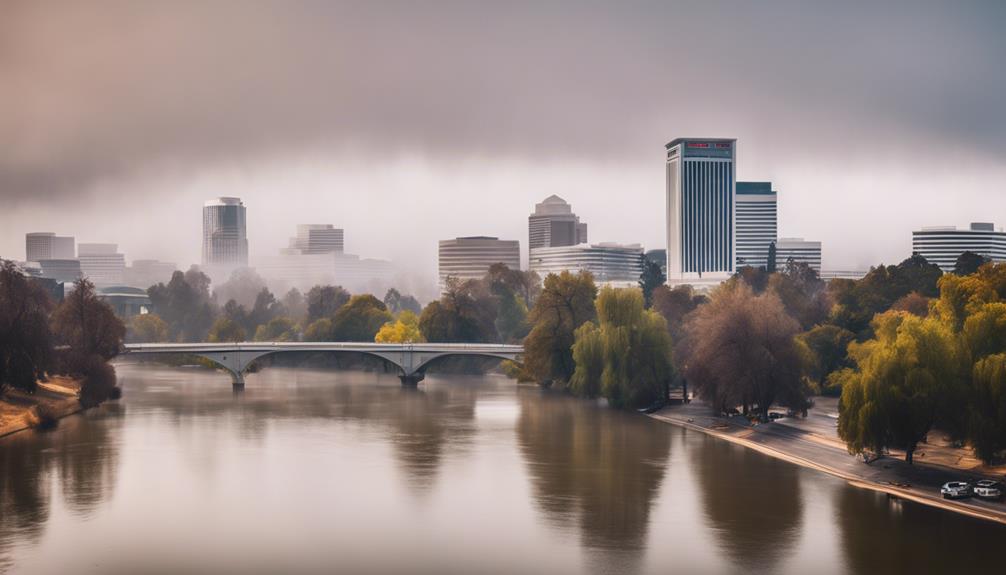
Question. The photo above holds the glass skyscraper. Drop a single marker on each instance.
(225, 238)
(700, 209)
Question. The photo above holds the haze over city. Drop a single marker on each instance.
(405, 124)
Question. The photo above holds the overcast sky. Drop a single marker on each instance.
(406, 124)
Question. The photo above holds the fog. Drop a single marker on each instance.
(406, 124)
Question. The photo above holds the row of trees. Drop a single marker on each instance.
(77, 337)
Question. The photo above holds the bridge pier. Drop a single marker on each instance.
(411, 380)
(237, 380)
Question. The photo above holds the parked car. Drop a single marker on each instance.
(775, 415)
(988, 489)
(956, 490)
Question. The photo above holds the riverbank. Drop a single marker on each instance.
(813, 443)
(59, 395)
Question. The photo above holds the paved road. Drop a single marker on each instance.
(813, 442)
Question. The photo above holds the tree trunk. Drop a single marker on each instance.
(684, 385)
(909, 454)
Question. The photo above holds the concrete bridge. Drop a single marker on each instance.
(411, 359)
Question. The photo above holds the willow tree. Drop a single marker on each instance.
(626, 356)
(566, 302)
(902, 383)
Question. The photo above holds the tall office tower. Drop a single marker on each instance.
(757, 222)
(318, 239)
(554, 224)
(470, 257)
(40, 246)
(102, 264)
(225, 238)
(700, 209)
(943, 245)
(798, 250)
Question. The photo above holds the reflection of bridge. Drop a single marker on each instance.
(411, 359)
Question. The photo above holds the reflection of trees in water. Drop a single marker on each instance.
(79, 453)
(593, 465)
(753, 502)
(890, 537)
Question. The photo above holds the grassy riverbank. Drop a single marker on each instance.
(813, 443)
(18, 409)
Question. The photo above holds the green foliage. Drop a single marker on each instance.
(902, 380)
(465, 313)
(566, 302)
(968, 263)
(319, 330)
(184, 304)
(626, 357)
(827, 345)
(771, 265)
(26, 340)
(511, 318)
(987, 410)
(397, 303)
(277, 329)
(405, 329)
(651, 278)
(856, 302)
(360, 319)
(227, 330)
(147, 328)
(86, 324)
(325, 301)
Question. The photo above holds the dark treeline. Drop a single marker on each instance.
(39, 338)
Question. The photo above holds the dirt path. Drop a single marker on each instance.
(58, 394)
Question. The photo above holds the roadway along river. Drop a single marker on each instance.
(339, 471)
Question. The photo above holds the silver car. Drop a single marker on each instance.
(956, 490)
(988, 489)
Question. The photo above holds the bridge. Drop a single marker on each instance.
(411, 359)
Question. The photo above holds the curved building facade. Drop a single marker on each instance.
(943, 245)
(611, 264)
(471, 257)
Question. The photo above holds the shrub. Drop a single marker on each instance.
(42, 417)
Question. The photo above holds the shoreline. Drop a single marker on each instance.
(859, 480)
(59, 394)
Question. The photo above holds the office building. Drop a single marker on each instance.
(145, 273)
(471, 257)
(554, 224)
(943, 245)
(798, 250)
(40, 246)
(610, 264)
(102, 264)
(700, 210)
(64, 271)
(318, 239)
(225, 238)
(756, 222)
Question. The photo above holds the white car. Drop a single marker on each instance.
(988, 489)
(956, 490)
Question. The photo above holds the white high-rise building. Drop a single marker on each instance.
(102, 264)
(757, 223)
(40, 246)
(145, 273)
(318, 239)
(471, 257)
(610, 264)
(225, 237)
(798, 250)
(554, 224)
(700, 210)
(943, 245)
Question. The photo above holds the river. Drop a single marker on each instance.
(321, 471)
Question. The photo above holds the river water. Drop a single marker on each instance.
(313, 471)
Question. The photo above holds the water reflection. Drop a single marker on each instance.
(592, 467)
(756, 517)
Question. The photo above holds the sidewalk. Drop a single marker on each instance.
(813, 442)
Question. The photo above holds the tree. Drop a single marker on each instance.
(465, 313)
(740, 349)
(827, 345)
(243, 286)
(397, 303)
(324, 301)
(277, 329)
(770, 265)
(987, 412)
(227, 330)
(914, 303)
(147, 328)
(674, 304)
(968, 263)
(184, 304)
(626, 357)
(26, 341)
(265, 309)
(900, 381)
(802, 292)
(360, 319)
(319, 330)
(651, 278)
(525, 284)
(295, 304)
(405, 329)
(566, 303)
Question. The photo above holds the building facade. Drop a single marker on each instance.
(700, 209)
(102, 264)
(145, 273)
(63, 271)
(40, 246)
(470, 257)
(943, 245)
(318, 239)
(610, 264)
(554, 224)
(798, 250)
(756, 209)
(225, 237)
